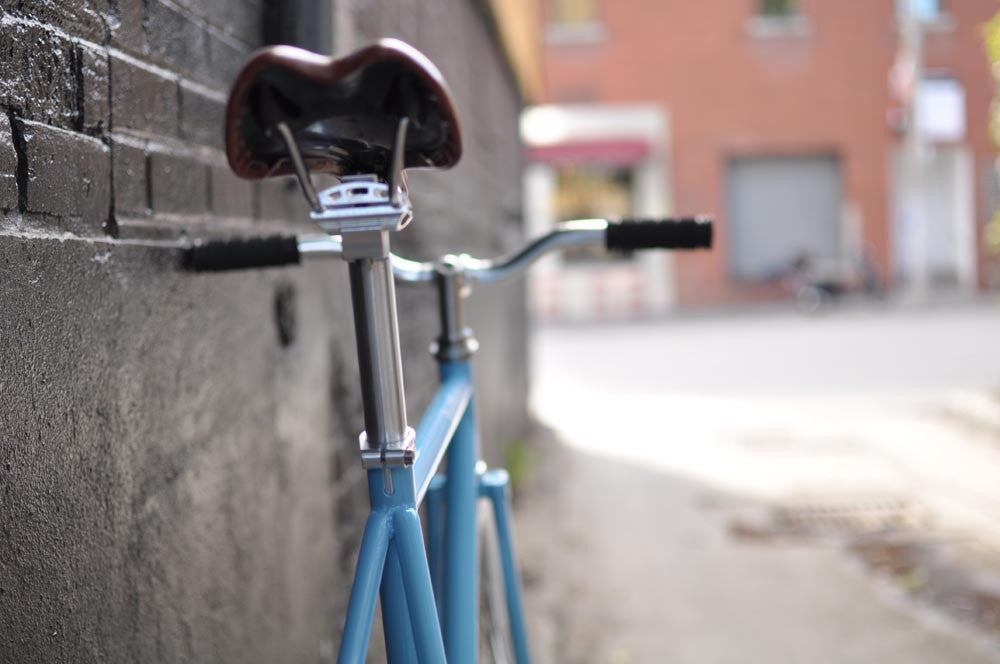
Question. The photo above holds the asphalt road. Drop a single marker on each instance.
(670, 431)
(847, 351)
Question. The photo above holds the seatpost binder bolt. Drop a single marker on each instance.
(403, 453)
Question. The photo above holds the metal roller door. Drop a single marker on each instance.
(780, 208)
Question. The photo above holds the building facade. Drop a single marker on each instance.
(787, 120)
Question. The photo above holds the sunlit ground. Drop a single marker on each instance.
(859, 406)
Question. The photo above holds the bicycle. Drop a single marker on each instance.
(365, 118)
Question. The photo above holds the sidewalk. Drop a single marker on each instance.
(667, 435)
(626, 564)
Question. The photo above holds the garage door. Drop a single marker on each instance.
(780, 208)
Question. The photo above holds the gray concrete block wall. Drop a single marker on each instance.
(178, 477)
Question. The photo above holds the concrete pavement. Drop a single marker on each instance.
(671, 430)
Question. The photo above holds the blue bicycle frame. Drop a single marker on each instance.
(430, 594)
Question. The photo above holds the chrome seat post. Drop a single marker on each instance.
(364, 210)
(387, 439)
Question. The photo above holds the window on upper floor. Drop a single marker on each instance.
(778, 8)
(933, 15)
(572, 12)
(574, 21)
(926, 10)
(941, 107)
(778, 19)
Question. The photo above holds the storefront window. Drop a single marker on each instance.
(585, 191)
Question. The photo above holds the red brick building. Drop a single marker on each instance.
(779, 107)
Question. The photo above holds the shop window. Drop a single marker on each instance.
(586, 191)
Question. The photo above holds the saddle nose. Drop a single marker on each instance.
(343, 112)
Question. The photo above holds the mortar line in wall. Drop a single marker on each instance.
(162, 72)
(76, 65)
(179, 243)
(111, 227)
(184, 226)
(145, 24)
(21, 171)
(148, 174)
(208, 190)
(220, 33)
(111, 224)
(105, 21)
(212, 93)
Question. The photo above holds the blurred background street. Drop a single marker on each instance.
(785, 449)
(766, 486)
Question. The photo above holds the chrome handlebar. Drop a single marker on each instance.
(624, 235)
(579, 233)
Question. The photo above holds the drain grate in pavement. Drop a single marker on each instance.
(893, 537)
(831, 517)
(939, 571)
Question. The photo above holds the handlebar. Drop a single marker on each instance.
(621, 235)
(242, 253)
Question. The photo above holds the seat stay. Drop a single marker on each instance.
(367, 578)
(393, 561)
(430, 614)
(397, 627)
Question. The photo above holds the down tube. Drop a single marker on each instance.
(461, 581)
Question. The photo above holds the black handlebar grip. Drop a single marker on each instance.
(677, 233)
(242, 253)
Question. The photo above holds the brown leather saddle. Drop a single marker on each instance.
(343, 112)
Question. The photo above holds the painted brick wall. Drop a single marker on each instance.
(178, 482)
